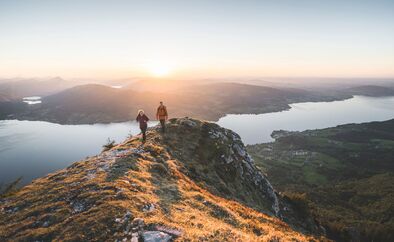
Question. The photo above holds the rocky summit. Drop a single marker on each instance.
(196, 182)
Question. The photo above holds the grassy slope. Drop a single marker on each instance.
(91, 200)
(346, 174)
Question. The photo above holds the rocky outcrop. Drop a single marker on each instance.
(217, 157)
(195, 182)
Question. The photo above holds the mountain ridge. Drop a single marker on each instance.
(195, 182)
(371, 90)
(24, 87)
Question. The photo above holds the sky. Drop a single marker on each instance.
(196, 39)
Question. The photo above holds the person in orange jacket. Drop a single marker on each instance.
(162, 116)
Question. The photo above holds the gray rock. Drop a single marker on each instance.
(134, 237)
(227, 159)
(150, 207)
(138, 222)
(78, 207)
(240, 150)
(188, 122)
(156, 236)
(127, 215)
(215, 134)
(170, 231)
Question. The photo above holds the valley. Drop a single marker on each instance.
(342, 175)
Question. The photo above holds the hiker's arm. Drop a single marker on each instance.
(157, 114)
(166, 112)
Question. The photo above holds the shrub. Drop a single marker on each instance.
(109, 145)
(299, 201)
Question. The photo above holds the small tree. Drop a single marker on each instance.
(130, 135)
(109, 145)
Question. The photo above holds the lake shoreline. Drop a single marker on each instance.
(354, 110)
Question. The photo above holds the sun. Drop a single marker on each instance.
(159, 69)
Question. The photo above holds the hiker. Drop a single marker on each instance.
(162, 116)
(143, 120)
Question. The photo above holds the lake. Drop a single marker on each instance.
(302, 116)
(32, 100)
(32, 148)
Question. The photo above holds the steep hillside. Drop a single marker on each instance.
(344, 174)
(196, 182)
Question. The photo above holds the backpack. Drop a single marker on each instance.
(162, 111)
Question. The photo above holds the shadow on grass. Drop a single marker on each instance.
(121, 166)
(165, 187)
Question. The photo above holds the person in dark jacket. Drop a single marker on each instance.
(143, 120)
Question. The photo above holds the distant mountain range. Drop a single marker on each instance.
(93, 103)
(97, 103)
(370, 90)
(16, 89)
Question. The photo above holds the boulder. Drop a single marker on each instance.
(156, 236)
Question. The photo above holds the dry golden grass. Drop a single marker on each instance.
(47, 209)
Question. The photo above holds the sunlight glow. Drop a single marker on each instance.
(159, 68)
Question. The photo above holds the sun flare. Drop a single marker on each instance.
(159, 69)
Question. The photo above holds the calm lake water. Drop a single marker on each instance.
(302, 116)
(32, 149)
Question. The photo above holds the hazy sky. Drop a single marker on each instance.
(213, 38)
